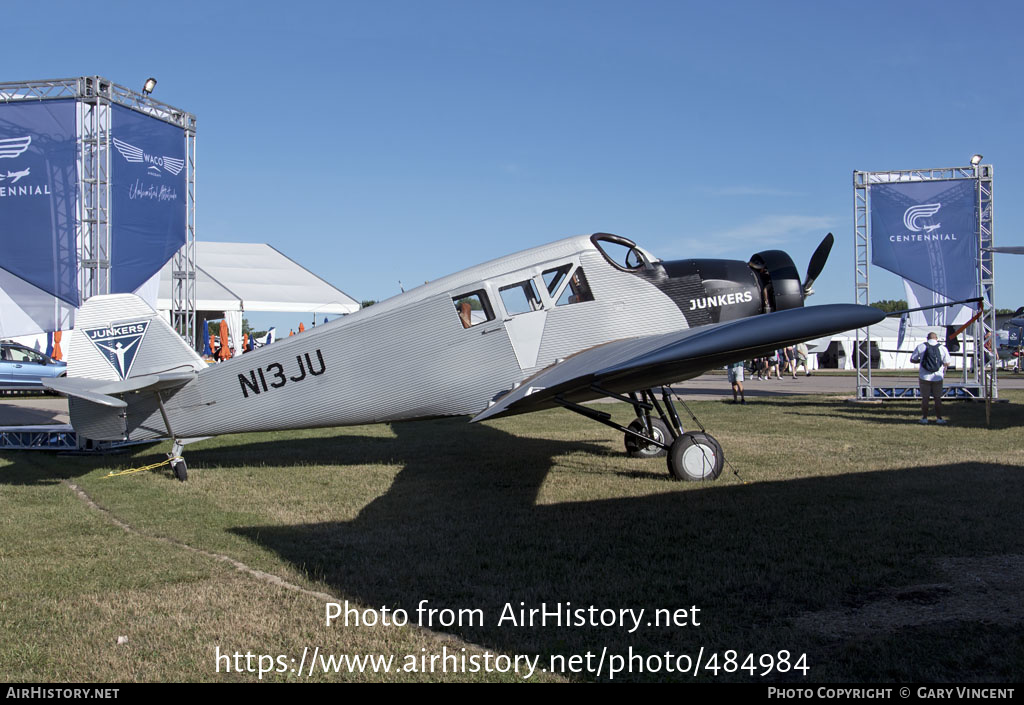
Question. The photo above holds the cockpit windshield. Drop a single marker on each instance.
(621, 252)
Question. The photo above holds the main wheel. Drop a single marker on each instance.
(636, 448)
(695, 456)
(179, 468)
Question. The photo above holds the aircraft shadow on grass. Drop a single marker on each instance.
(461, 527)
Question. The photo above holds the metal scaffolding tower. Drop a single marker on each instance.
(982, 364)
(94, 95)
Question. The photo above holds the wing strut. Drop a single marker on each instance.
(643, 406)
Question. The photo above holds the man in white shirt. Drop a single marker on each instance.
(933, 359)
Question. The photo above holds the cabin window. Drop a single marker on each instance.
(553, 278)
(473, 308)
(521, 297)
(578, 290)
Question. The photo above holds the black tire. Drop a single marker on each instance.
(695, 457)
(636, 448)
(180, 470)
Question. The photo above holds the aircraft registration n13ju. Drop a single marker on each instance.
(575, 320)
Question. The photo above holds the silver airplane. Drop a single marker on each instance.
(579, 319)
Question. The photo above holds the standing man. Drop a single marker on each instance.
(934, 361)
(801, 360)
(736, 378)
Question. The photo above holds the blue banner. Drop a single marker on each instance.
(148, 197)
(38, 195)
(926, 231)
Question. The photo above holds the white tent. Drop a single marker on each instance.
(234, 277)
(885, 335)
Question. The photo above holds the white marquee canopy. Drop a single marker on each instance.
(244, 276)
(233, 277)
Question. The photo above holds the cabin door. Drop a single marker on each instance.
(525, 316)
(526, 331)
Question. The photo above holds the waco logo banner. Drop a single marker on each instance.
(927, 232)
(38, 195)
(148, 195)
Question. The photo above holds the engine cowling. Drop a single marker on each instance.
(715, 290)
(779, 279)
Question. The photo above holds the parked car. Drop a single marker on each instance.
(24, 368)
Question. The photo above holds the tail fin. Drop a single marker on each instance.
(120, 345)
(118, 337)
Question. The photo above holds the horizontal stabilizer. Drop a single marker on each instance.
(632, 364)
(86, 389)
(98, 391)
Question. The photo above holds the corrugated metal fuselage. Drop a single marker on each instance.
(411, 356)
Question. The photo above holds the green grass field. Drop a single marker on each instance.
(881, 549)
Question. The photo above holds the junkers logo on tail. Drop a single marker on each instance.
(119, 344)
(721, 300)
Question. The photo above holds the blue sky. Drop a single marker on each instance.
(402, 140)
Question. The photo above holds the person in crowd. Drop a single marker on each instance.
(934, 360)
(801, 360)
(786, 361)
(736, 379)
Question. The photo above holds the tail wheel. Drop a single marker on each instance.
(180, 469)
(694, 457)
(636, 448)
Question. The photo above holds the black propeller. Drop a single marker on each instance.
(817, 264)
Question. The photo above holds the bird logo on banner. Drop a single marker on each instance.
(915, 213)
(14, 147)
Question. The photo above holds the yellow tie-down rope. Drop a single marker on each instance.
(142, 469)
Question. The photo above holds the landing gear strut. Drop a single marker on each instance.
(177, 462)
(691, 456)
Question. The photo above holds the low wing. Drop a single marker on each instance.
(639, 363)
